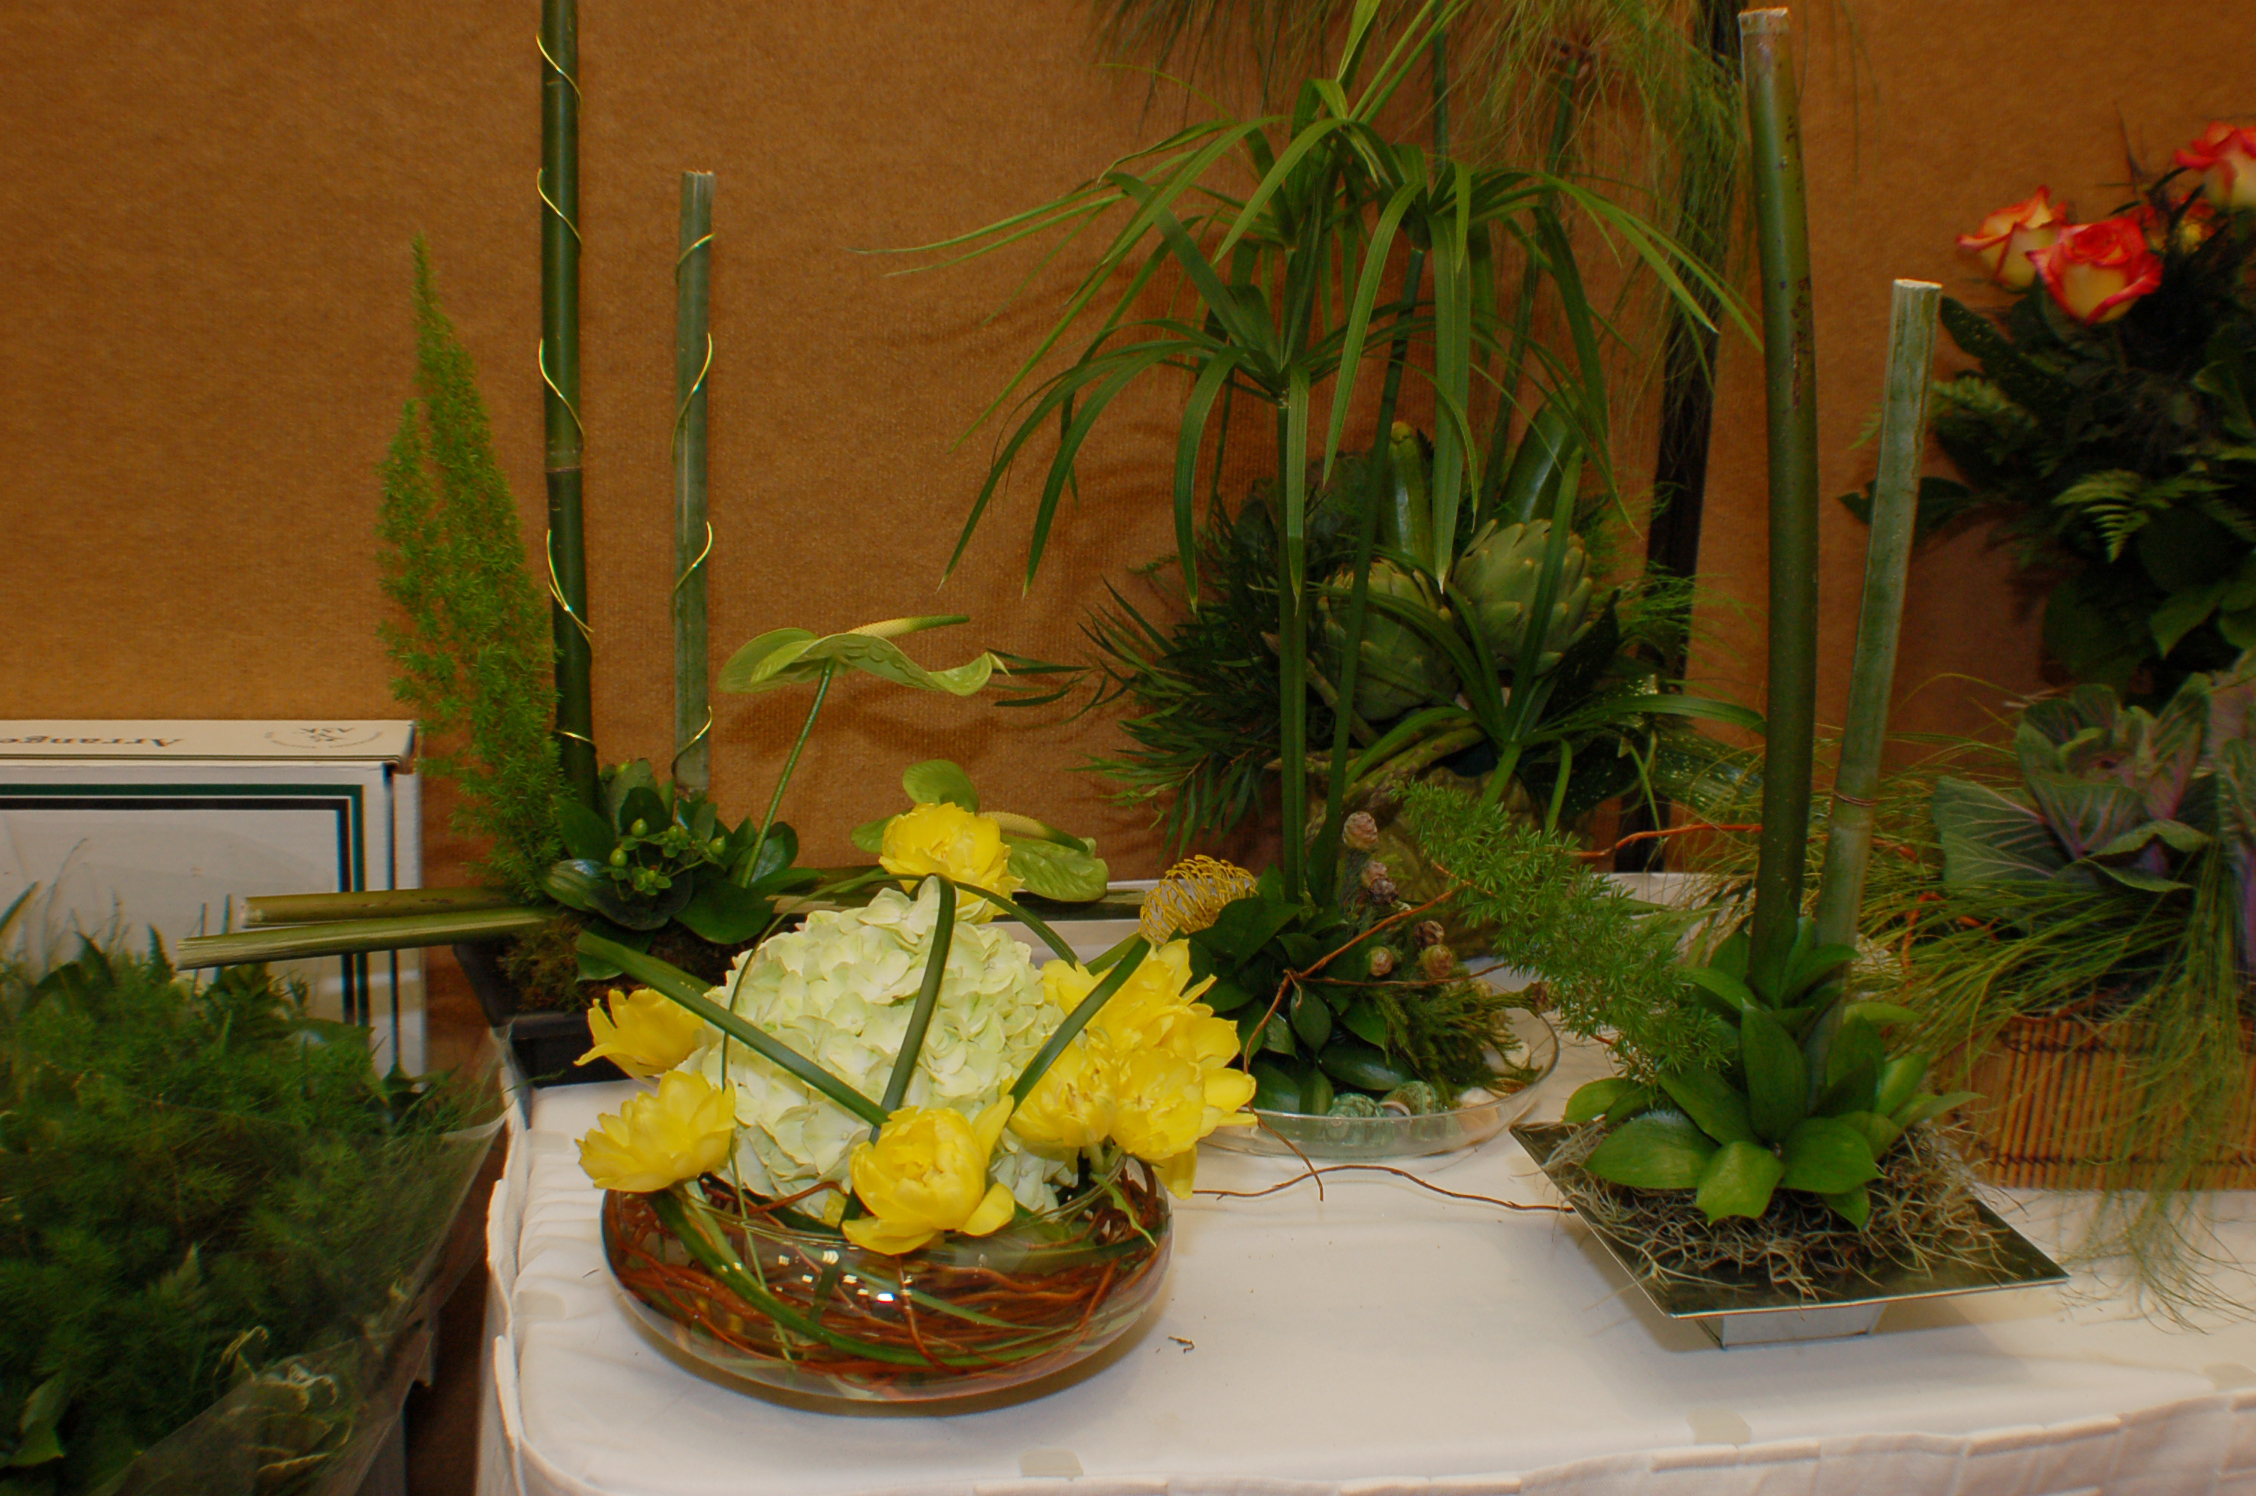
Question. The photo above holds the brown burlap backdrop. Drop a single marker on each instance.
(207, 214)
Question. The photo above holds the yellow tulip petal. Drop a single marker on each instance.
(993, 1214)
(988, 1125)
(874, 1234)
(1178, 1173)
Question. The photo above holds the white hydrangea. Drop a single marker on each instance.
(839, 990)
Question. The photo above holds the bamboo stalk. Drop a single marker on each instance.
(345, 937)
(1790, 367)
(693, 533)
(1895, 504)
(560, 373)
(379, 903)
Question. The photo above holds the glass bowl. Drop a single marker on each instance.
(1533, 1048)
(964, 1317)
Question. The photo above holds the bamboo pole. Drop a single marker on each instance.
(376, 903)
(560, 373)
(693, 532)
(1895, 505)
(345, 937)
(1790, 366)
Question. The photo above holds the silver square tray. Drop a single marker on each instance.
(1761, 1313)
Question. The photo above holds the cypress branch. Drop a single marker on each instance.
(469, 645)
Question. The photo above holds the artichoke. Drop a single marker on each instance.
(1400, 669)
(1498, 575)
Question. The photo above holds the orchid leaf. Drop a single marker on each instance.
(1656, 1151)
(1590, 1101)
(1739, 1180)
(940, 781)
(1826, 1156)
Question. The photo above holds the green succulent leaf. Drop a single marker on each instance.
(1739, 1180)
(798, 657)
(1714, 1103)
(1731, 955)
(870, 835)
(1879, 1013)
(1926, 1108)
(1899, 1082)
(1879, 1131)
(1591, 1099)
(1722, 991)
(1777, 1075)
(939, 781)
(1853, 1205)
(1988, 836)
(1655, 1151)
(1856, 1046)
(1631, 1103)
(1826, 1156)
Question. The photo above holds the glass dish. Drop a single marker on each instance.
(962, 1318)
(1534, 1048)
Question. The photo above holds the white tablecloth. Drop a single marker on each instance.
(1381, 1342)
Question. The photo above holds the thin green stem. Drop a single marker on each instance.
(783, 780)
(1017, 911)
(928, 997)
(1790, 367)
(693, 532)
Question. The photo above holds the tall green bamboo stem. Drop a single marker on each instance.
(693, 532)
(560, 372)
(1895, 503)
(1790, 368)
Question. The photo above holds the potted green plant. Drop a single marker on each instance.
(1384, 575)
(2105, 430)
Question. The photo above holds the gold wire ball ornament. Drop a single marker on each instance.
(1191, 897)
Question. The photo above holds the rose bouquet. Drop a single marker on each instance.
(895, 1088)
(2107, 426)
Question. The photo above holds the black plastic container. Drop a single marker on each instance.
(545, 1045)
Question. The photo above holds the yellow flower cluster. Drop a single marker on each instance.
(925, 1174)
(947, 839)
(645, 1034)
(1150, 1072)
(656, 1141)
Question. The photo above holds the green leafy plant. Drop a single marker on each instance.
(2118, 456)
(472, 647)
(1775, 1115)
(1286, 281)
(205, 1192)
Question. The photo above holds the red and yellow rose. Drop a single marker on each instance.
(2007, 237)
(2097, 271)
(2226, 158)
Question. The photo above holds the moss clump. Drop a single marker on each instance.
(1923, 1215)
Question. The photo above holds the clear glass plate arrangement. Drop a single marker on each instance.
(1530, 1053)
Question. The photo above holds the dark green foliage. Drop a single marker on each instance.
(1608, 961)
(194, 1186)
(1371, 1018)
(473, 648)
(2121, 460)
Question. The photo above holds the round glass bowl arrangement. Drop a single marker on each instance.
(1530, 1053)
(963, 1317)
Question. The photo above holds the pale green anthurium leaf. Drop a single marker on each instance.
(1739, 1180)
(870, 835)
(1926, 1108)
(1655, 1151)
(1067, 874)
(796, 657)
(1027, 828)
(1826, 1156)
(938, 781)
(1880, 1013)
(1854, 1205)
(1880, 1132)
(1777, 1075)
(1712, 1102)
(1987, 836)
(1899, 1082)
(1590, 1100)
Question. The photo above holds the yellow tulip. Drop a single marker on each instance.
(925, 1174)
(657, 1141)
(1071, 1107)
(645, 1034)
(1155, 1001)
(949, 840)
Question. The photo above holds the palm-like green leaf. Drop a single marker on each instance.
(799, 657)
